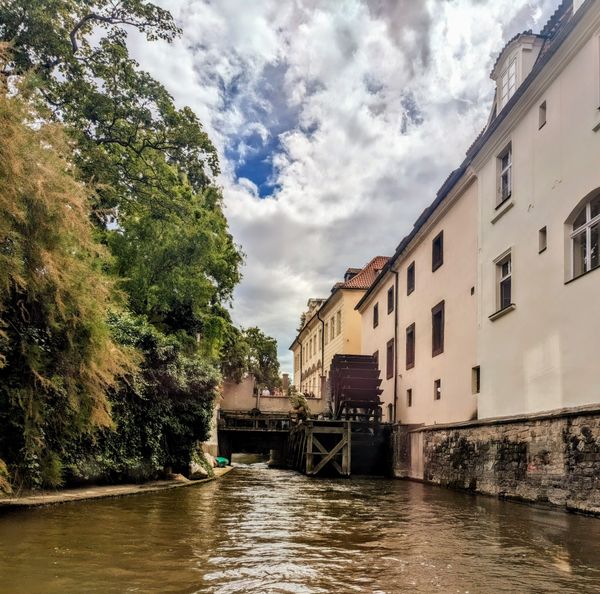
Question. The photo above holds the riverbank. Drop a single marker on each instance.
(103, 491)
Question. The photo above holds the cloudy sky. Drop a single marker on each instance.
(336, 122)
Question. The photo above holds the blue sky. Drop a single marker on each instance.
(336, 122)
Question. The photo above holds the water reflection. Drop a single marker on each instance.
(260, 530)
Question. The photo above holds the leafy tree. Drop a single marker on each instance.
(57, 358)
(153, 164)
(159, 413)
(251, 351)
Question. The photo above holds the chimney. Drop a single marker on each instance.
(285, 382)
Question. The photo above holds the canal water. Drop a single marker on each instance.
(259, 530)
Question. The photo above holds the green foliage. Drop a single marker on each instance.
(251, 351)
(157, 210)
(57, 359)
(299, 403)
(159, 413)
(5, 487)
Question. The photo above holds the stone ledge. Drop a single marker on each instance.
(558, 413)
(101, 492)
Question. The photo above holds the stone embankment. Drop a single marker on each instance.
(69, 495)
(549, 458)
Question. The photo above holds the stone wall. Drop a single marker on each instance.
(551, 458)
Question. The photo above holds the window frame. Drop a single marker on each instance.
(376, 315)
(437, 389)
(506, 82)
(410, 278)
(389, 360)
(440, 308)
(502, 278)
(338, 316)
(585, 228)
(409, 398)
(505, 170)
(390, 299)
(439, 240)
(411, 331)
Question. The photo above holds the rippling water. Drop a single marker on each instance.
(259, 530)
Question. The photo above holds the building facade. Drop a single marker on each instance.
(538, 166)
(493, 289)
(420, 315)
(328, 327)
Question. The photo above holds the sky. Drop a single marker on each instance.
(336, 121)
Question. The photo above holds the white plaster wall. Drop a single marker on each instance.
(452, 283)
(543, 355)
(376, 339)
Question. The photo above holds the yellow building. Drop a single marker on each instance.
(328, 327)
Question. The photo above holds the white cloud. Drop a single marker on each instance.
(371, 102)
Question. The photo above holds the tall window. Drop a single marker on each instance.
(390, 299)
(437, 322)
(326, 332)
(508, 83)
(504, 175)
(332, 328)
(410, 347)
(584, 238)
(409, 397)
(410, 278)
(504, 275)
(376, 315)
(338, 315)
(389, 360)
(437, 251)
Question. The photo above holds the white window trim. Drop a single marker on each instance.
(587, 229)
(497, 278)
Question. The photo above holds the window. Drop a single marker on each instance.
(542, 240)
(508, 83)
(504, 175)
(584, 238)
(326, 332)
(320, 339)
(437, 251)
(504, 275)
(476, 380)
(437, 322)
(338, 315)
(376, 315)
(390, 299)
(410, 279)
(410, 347)
(390, 413)
(376, 357)
(542, 115)
(389, 365)
(331, 328)
(409, 397)
(437, 389)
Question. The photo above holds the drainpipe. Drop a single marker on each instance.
(395, 346)
(322, 351)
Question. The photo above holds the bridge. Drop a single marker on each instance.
(312, 446)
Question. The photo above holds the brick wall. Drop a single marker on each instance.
(551, 458)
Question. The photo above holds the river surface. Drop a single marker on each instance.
(260, 530)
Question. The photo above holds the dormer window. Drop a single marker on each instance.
(508, 82)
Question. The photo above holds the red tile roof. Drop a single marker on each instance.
(366, 277)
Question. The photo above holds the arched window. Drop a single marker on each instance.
(585, 237)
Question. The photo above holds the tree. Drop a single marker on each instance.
(153, 165)
(251, 351)
(57, 358)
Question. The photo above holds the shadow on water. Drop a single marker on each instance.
(261, 530)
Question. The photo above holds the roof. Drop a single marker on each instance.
(362, 280)
(367, 275)
(555, 31)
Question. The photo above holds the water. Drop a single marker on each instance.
(259, 530)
